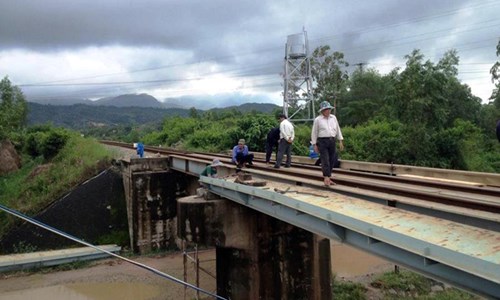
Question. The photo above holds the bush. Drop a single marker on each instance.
(402, 284)
(376, 142)
(348, 291)
(46, 141)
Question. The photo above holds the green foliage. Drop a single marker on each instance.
(214, 138)
(254, 129)
(85, 117)
(495, 78)
(329, 72)
(449, 294)
(23, 247)
(402, 284)
(13, 109)
(302, 139)
(348, 291)
(178, 129)
(45, 140)
(384, 137)
(36, 185)
(366, 97)
(118, 237)
(409, 285)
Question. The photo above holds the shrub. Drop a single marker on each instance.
(46, 141)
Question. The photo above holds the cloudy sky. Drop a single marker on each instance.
(208, 48)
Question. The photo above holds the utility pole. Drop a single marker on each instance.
(360, 65)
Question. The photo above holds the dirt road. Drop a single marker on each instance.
(111, 279)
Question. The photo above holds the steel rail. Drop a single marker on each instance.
(479, 198)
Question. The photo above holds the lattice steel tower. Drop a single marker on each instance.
(297, 94)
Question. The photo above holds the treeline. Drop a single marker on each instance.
(83, 117)
(420, 115)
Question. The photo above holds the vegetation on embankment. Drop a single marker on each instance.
(396, 286)
(45, 178)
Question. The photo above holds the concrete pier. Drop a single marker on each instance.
(150, 193)
(258, 257)
(270, 259)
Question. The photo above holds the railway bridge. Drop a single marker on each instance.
(271, 228)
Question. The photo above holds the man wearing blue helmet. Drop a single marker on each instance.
(325, 131)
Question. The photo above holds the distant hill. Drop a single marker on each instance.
(242, 102)
(84, 116)
(130, 100)
(267, 108)
(215, 101)
(80, 116)
(61, 101)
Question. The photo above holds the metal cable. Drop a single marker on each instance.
(61, 233)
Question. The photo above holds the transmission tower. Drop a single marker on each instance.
(297, 94)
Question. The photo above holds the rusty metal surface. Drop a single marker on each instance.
(472, 241)
(473, 250)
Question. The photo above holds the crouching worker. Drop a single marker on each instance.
(211, 170)
(241, 156)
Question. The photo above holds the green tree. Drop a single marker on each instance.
(330, 74)
(495, 78)
(428, 98)
(254, 129)
(366, 97)
(13, 108)
(419, 94)
(193, 113)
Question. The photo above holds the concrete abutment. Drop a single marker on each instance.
(257, 256)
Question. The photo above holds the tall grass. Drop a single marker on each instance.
(38, 183)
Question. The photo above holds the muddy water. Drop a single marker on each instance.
(347, 262)
(88, 291)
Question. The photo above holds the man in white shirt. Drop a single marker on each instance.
(287, 135)
(325, 131)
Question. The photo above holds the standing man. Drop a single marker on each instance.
(272, 141)
(325, 131)
(287, 135)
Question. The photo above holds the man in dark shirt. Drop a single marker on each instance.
(273, 138)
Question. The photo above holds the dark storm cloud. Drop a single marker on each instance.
(49, 24)
(241, 38)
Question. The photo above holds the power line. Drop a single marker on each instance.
(68, 236)
(359, 50)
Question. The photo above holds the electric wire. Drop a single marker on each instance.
(75, 239)
(394, 43)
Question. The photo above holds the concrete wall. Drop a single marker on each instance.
(150, 191)
(270, 259)
(200, 221)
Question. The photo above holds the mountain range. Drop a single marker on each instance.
(145, 100)
(83, 116)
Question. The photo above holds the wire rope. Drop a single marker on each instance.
(68, 236)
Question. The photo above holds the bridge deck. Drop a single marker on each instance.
(437, 247)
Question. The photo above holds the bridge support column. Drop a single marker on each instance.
(200, 221)
(265, 258)
(150, 193)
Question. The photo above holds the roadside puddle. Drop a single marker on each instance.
(87, 291)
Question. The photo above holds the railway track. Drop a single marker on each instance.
(430, 192)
